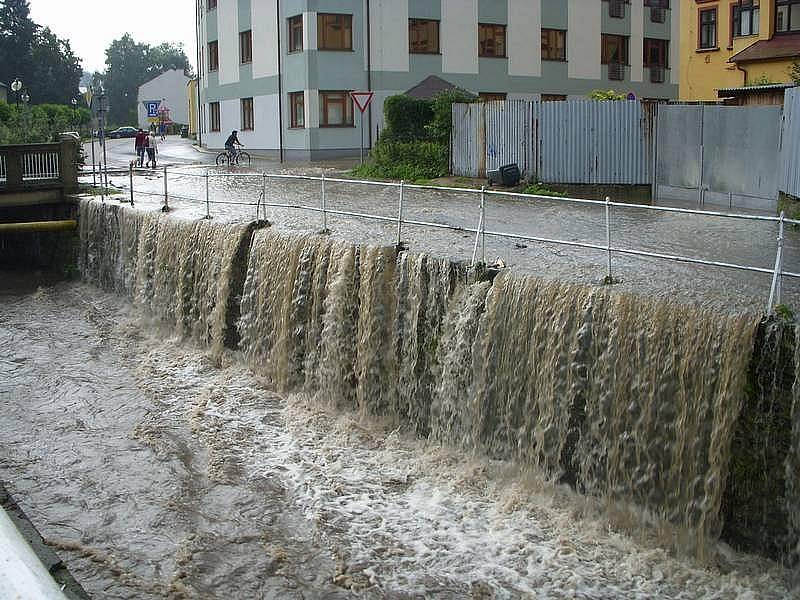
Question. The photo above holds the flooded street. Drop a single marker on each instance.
(234, 195)
(157, 470)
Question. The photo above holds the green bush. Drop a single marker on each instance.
(411, 161)
(406, 118)
(38, 123)
(537, 189)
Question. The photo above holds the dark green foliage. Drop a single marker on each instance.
(411, 161)
(40, 123)
(416, 141)
(406, 118)
(45, 64)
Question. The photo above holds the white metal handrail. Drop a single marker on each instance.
(40, 166)
(481, 230)
(3, 169)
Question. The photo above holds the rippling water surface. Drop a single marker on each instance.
(157, 471)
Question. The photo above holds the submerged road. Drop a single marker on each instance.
(159, 472)
(235, 193)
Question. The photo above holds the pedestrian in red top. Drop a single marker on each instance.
(140, 144)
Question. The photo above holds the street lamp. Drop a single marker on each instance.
(16, 86)
(75, 123)
(26, 97)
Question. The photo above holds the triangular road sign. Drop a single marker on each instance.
(362, 99)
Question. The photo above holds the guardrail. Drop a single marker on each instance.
(480, 230)
(31, 167)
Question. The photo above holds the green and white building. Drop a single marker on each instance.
(280, 71)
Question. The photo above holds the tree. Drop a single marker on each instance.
(17, 32)
(56, 70)
(129, 65)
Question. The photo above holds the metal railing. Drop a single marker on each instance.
(3, 169)
(481, 231)
(40, 165)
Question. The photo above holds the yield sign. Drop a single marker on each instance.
(362, 99)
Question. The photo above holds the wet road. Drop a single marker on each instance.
(234, 196)
(159, 472)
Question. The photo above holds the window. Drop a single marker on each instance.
(554, 44)
(296, 34)
(491, 40)
(213, 56)
(787, 16)
(298, 107)
(616, 9)
(656, 53)
(213, 110)
(492, 96)
(745, 18)
(334, 32)
(614, 49)
(246, 47)
(423, 36)
(337, 109)
(247, 114)
(657, 3)
(212, 4)
(554, 98)
(708, 29)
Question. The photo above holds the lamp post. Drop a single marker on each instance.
(75, 123)
(16, 86)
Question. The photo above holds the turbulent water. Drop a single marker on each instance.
(632, 401)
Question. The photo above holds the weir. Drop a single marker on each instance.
(674, 410)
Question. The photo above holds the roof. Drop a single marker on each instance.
(3, 84)
(780, 46)
(753, 89)
(432, 85)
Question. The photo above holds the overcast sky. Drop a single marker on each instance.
(91, 25)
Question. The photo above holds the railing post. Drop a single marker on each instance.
(263, 197)
(609, 276)
(400, 212)
(130, 175)
(165, 208)
(775, 290)
(483, 223)
(324, 207)
(208, 199)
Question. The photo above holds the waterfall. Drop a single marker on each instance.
(178, 272)
(628, 398)
(793, 460)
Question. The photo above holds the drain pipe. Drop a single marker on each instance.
(198, 34)
(280, 86)
(369, 72)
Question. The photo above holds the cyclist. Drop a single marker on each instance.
(231, 142)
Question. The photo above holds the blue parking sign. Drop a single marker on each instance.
(152, 108)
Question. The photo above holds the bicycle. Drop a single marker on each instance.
(239, 157)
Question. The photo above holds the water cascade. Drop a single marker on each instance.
(626, 398)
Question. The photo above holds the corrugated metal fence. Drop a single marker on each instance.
(723, 155)
(789, 178)
(582, 142)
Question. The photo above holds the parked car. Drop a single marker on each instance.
(123, 132)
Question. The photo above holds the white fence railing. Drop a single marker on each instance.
(40, 166)
(480, 231)
(3, 170)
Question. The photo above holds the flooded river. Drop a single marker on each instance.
(160, 470)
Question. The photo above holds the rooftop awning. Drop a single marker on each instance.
(780, 46)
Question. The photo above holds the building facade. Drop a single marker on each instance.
(728, 44)
(168, 89)
(280, 71)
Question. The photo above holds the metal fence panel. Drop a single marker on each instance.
(679, 141)
(741, 145)
(789, 176)
(508, 126)
(467, 140)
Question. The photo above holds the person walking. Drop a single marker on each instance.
(140, 143)
(152, 150)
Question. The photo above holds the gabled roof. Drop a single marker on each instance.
(432, 85)
(780, 46)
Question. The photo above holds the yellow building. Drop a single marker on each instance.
(735, 43)
(191, 98)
